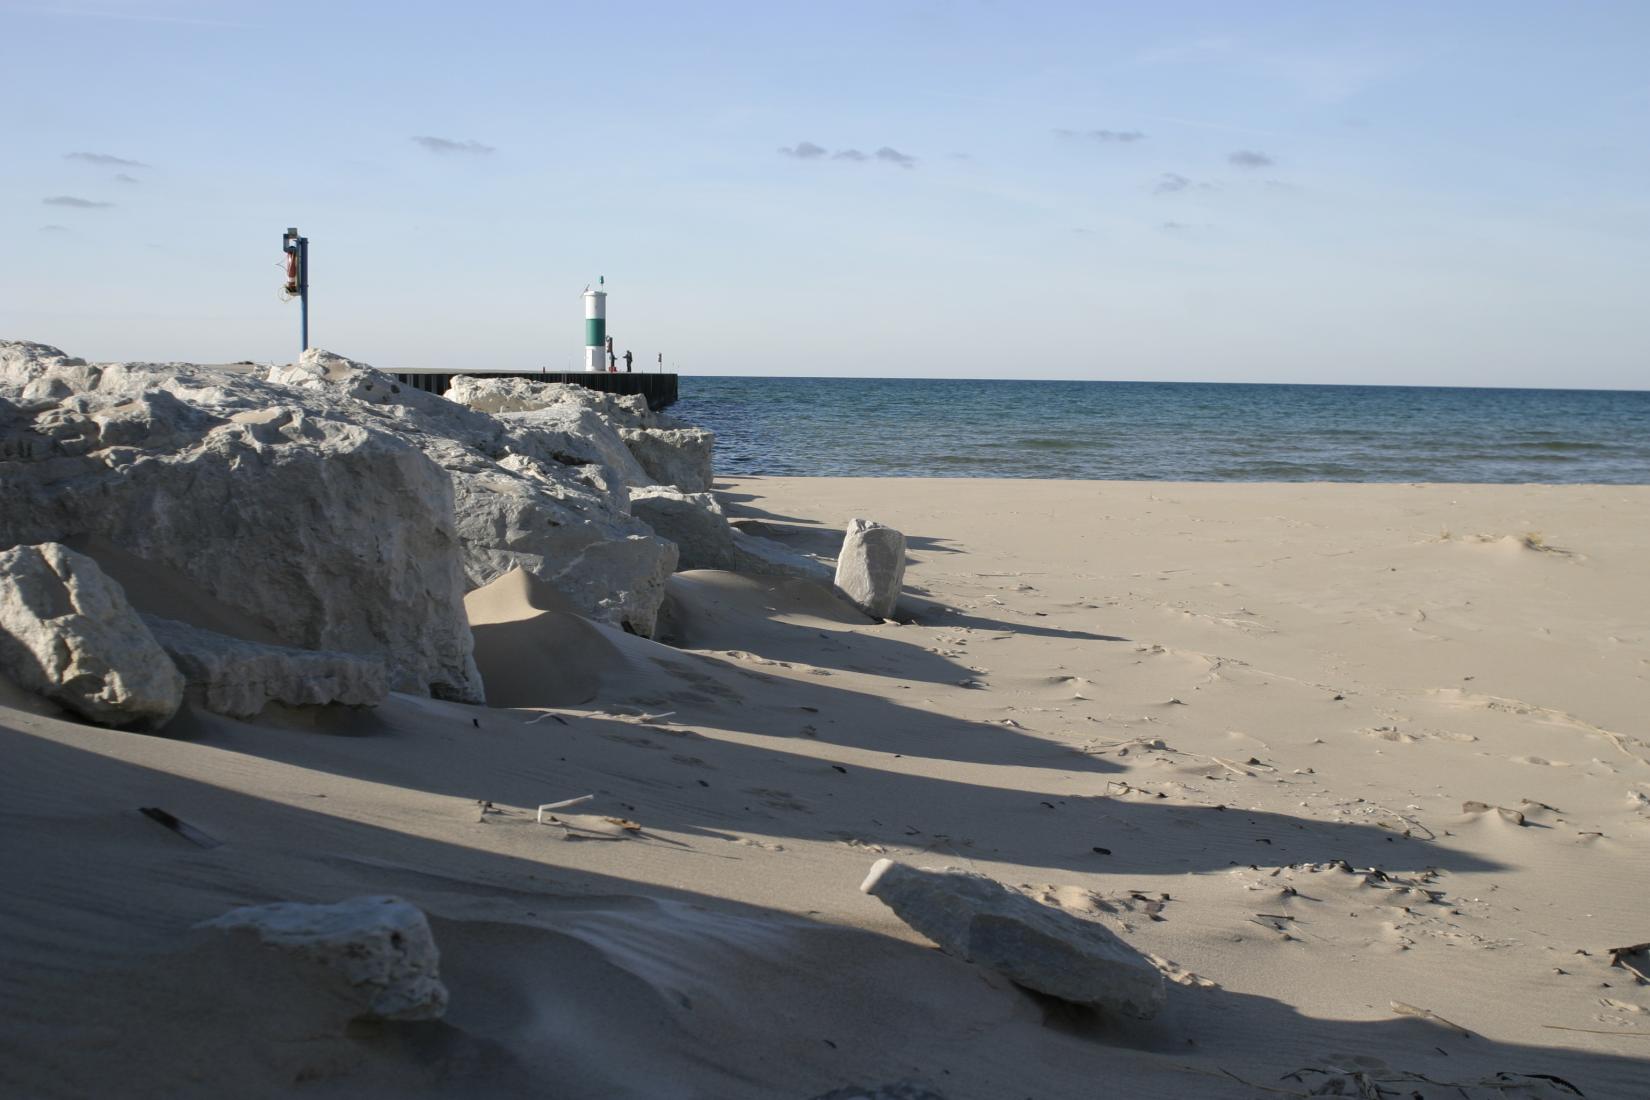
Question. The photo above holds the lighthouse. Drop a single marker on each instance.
(595, 330)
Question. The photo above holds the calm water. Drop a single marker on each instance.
(1169, 431)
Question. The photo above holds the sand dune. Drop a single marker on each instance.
(533, 649)
(1313, 758)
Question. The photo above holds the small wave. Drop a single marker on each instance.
(1558, 445)
(1055, 443)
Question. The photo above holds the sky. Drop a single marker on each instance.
(1396, 193)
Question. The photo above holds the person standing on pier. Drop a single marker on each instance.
(627, 361)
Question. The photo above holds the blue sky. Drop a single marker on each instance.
(1396, 193)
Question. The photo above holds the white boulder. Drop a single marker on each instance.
(695, 522)
(68, 633)
(376, 953)
(316, 519)
(1042, 948)
(871, 567)
(679, 456)
(239, 678)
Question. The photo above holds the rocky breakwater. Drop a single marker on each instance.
(319, 507)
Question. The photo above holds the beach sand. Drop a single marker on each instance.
(1245, 725)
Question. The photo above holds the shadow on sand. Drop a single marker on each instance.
(588, 983)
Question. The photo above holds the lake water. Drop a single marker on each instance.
(1168, 431)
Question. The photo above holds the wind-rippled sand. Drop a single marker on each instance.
(1338, 756)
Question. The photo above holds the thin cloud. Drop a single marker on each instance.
(803, 150)
(75, 201)
(444, 146)
(1172, 183)
(122, 177)
(1121, 137)
(1248, 158)
(105, 160)
(807, 150)
(141, 17)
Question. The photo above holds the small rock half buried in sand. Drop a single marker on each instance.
(1041, 948)
(871, 567)
(377, 950)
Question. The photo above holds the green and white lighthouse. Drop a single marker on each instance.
(595, 329)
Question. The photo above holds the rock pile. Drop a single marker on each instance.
(340, 517)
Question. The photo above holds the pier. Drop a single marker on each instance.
(659, 389)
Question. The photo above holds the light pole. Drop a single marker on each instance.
(297, 279)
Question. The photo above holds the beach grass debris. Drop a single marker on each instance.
(1389, 1084)
(179, 826)
(1403, 1009)
(564, 804)
(1619, 956)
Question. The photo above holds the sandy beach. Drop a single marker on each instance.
(1362, 767)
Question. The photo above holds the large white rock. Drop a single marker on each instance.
(679, 456)
(68, 633)
(529, 492)
(377, 953)
(239, 678)
(312, 514)
(1054, 952)
(871, 567)
(695, 522)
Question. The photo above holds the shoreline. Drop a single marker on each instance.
(1333, 757)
